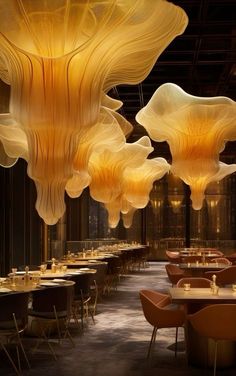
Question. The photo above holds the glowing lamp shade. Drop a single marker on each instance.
(138, 182)
(128, 218)
(176, 202)
(60, 57)
(108, 134)
(107, 168)
(116, 208)
(132, 188)
(196, 129)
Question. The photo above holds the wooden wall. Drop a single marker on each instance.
(21, 227)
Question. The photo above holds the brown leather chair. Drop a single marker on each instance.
(174, 273)
(157, 313)
(173, 256)
(224, 277)
(216, 322)
(194, 282)
(232, 257)
(216, 251)
(191, 258)
(221, 260)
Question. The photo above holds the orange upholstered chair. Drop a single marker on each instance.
(216, 251)
(174, 273)
(232, 257)
(157, 313)
(225, 276)
(216, 322)
(194, 282)
(221, 260)
(191, 258)
(173, 256)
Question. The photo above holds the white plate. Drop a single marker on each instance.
(49, 284)
(57, 280)
(84, 269)
(4, 289)
(93, 261)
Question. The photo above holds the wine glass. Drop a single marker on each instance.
(14, 270)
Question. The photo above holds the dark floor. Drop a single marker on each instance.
(117, 344)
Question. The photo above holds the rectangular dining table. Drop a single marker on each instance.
(201, 350)
(202, 295)
(197, 270)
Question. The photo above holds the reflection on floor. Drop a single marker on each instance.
(117, 344)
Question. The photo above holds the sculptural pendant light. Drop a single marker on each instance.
(123, 180)
(60, 58)
(196, 129)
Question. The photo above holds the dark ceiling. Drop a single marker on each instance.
(202, 60)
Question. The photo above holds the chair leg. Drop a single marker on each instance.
(43, 337)
(67, 334)
(20, 343)
(18, 358)
(91, 314)
(153, 339)
(58, 325)
(10, 359)
(176, 340)
(215, 357)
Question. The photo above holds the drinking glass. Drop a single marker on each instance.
(187, 286)
(43, 268)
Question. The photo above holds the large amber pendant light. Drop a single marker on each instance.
(196, 129)
(61, 57)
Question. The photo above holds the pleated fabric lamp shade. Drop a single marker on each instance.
(196, 129)
(61, 57)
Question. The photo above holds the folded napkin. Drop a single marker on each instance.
(4, 289)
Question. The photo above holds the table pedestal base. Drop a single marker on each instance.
(200, 351)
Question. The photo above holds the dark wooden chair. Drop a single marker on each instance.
(50, 314)
(13, 322)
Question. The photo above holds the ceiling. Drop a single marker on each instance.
(202, 60)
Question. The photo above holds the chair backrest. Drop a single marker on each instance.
(174, 273)
(151, 302)
(114, 264)
(154, 305)
(82, 283)
(232, 257)
(194, 282)
(173, 256)
(215, 321)
(225, 276)
(100, 276)
(191, 258)
(217, 252)
(16, 303)
(46, 299)
(221, 260)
